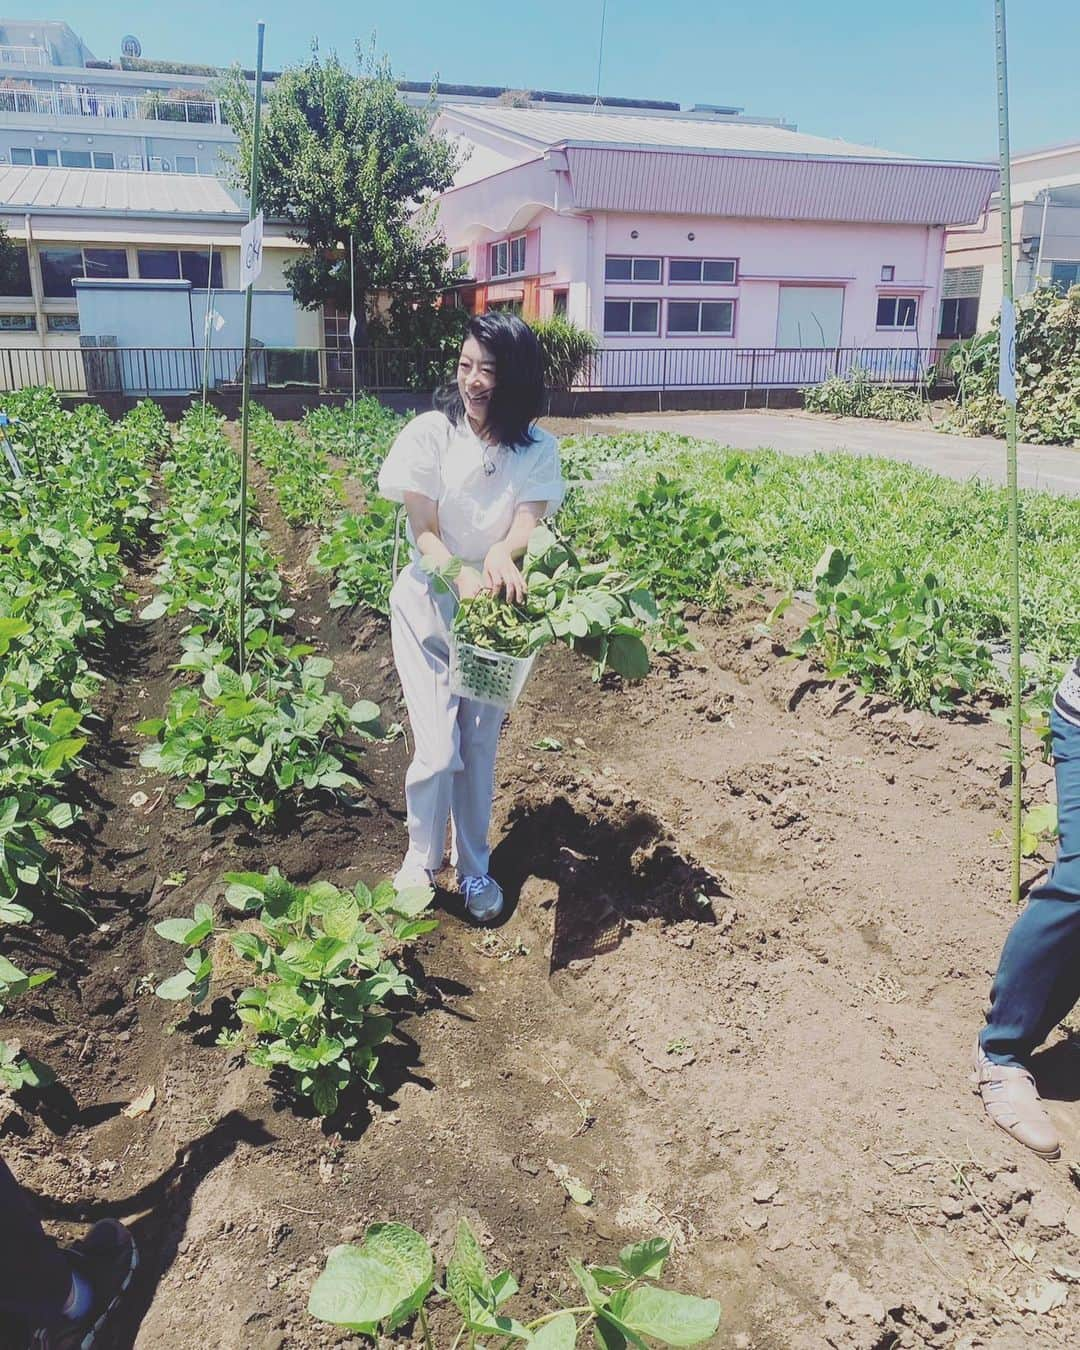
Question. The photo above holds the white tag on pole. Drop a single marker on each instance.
(214, 321)
(1007, 357)
(352, 329)
(251, 249)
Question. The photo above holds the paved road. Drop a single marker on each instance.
(1051, 468)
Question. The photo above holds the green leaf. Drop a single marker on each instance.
(192, 796)
(645, 1260)
(61, 816)
(628, 656)
(174, 930)
(558, 1334)
(467, 1263)
(176, 987)
(674, 1319)
(12, 913)
(412, 901)
(382, 1282)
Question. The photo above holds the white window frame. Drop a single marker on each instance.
(699, 331)
(633, 279)
(631, 331)
(194, 163)
(895, 327)
(27, 323)
(110, 155)
(46, 150)
(87, 153)
(701, 279)
(459, 260)
(505, 249)
(22, 150)
(135, 163)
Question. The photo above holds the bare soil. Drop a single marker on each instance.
(752, 926)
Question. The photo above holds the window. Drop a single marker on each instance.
(135, 163)
(46, 159)
(507, 306)
(16, 280)
(75, 159)
(719, 271)
(59, 267)
(459, 260)
(1063, 275)
(104, 159)
(632, 316)
(508, 257)
(21, 156)
(809, 316)
(560, 304)
(715, 317)
(888, 272)
(195, 267)
(17, 323)
(897, 311)
(631, 269)
(959, 318)
(160, 264)
(187, 164)
(62, 323)
(105, 262)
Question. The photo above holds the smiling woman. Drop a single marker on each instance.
(475, 476)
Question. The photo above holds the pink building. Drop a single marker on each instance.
(704, 251)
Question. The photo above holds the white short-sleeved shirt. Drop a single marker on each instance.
(476, 487)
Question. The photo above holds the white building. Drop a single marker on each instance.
(1046, 242)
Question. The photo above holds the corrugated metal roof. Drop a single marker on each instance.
(900, 192)
(544, 128)
(115, 191)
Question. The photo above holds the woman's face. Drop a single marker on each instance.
(476, 380)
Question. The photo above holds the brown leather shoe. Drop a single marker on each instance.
(1012, 1103)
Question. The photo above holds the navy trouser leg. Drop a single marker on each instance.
(35, 1275)
(1038, 977)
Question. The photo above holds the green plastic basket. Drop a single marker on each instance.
(486, 676)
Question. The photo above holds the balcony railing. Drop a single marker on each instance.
(23, 56)
(148, 107)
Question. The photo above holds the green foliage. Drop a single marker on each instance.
(1047, 373)
(309, 492)
(890, 633)
(385, 1282)
(250, 742)
(343, 156)
(856, 395)
(18, 1071)
(567, 350)
(318, 970)
(62, 587)
(589, 606)
(360, 433)
(781, 512)
(359, 551)
(243, 743)
(14, 266)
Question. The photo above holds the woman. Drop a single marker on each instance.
(1038, 977)
(476, 476)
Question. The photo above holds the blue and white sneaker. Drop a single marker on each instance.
(483, 898)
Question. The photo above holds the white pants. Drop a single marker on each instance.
(453, 769)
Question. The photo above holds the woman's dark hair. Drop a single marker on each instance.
(518, 399)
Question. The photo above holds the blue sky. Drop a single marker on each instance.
(916, 77)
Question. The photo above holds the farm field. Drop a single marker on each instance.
(754, 908)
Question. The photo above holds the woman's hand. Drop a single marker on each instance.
(502, 573)
(469, 582)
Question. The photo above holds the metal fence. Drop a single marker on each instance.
(89, 103)
(163, 371)
(665, 368)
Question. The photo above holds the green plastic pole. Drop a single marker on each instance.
(1016, 756)
(253, 210)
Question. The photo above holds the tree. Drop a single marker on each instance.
(14, 265)
(343, 155)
